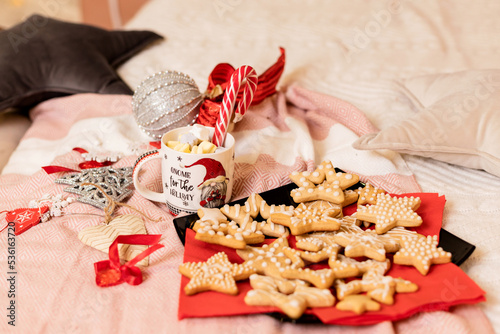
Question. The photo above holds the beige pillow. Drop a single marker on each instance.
(458, 122)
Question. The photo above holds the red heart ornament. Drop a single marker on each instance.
(25, 218)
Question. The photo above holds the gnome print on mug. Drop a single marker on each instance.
(214, 186)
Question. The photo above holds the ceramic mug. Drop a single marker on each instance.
(190, 181)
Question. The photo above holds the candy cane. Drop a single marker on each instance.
(228, 101)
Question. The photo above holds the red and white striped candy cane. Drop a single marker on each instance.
(244, 74)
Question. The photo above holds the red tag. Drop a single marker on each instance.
(25, 218)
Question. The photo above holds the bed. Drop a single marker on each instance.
(401, 93)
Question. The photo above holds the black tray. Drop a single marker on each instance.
(460, 249)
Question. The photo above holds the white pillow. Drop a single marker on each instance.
(459, 121)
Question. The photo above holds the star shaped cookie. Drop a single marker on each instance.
(390, 212)
(421, 253)
(217, 274)
(358, 304)
(366, 243)
(317, 247)
(272, 259)
(325, 171)
(305, 220)
(368, 194)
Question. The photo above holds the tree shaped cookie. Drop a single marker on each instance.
(390, 212)
(217, 274)
(305, 220)
(272, 259)
(421, 253)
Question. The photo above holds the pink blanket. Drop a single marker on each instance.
(55, 282)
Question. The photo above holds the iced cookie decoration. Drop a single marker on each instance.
(240, 213)
(218, 233)
(358, 304)
(366, 243)
(214, 216)
(374, 282)
(368, 194)
(322, 278)
(213, 227)
(266, 210)
(317, 247)
(421, 253)
(399, 233)
(283, 285)
(272, 259)
(323, 191)
(305, 220)
(292, 305)
(325, 171)
(217, 274)
(324, 184)
(390, 212)
(266, 293)
(334, 210)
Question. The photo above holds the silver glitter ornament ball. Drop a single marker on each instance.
(165, 101)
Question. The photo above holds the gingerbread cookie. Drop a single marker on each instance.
(272, 259)
(218, 234)
(325, 171)
(304, 220)
(315, 297)
(358, 304)
(213, 216)
(217, 274)
(366, 243)
(266, 210)
(249, 234)
(292, 305)
(317, 247)
(390, 212)
(322, 278)
(334, 210)
(266, 293)
(268, 283)
(421, 253)
(247, 212)
(324, 191)
(368, 194)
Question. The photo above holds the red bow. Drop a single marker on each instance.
(221, 75)
(112, 272)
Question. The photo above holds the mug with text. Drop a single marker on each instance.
(190, 181)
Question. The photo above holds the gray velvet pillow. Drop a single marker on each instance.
(42, 58)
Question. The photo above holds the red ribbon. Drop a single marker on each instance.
(56, 169)
(83, 165)
(221, 76)
(111, 272)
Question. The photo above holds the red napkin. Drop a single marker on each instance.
(444, 286)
